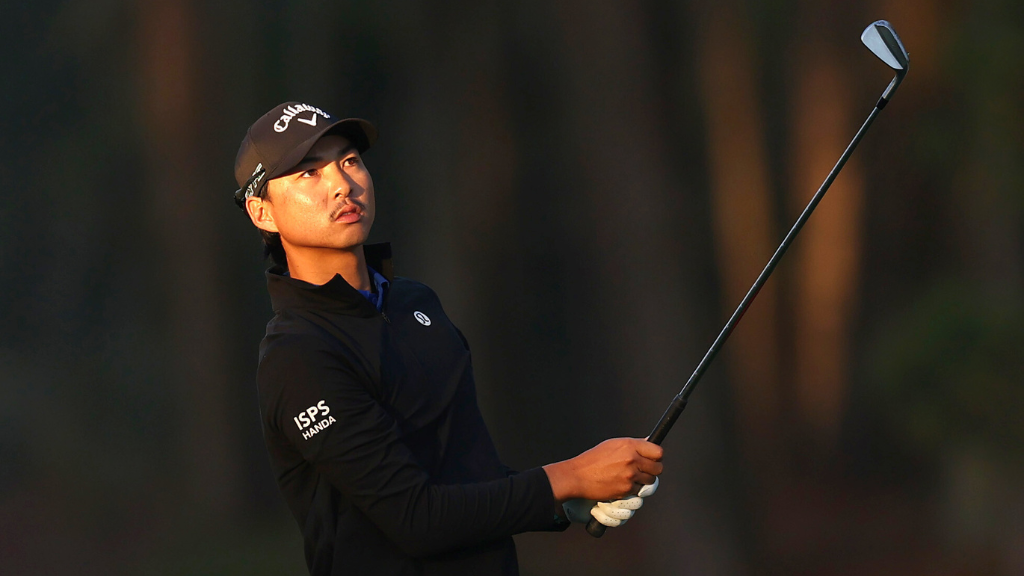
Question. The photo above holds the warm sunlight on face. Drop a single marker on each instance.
(325, 203)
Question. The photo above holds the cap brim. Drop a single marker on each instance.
(361, 133)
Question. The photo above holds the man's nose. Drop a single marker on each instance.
(340, 184)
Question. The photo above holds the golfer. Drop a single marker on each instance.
(366, 387)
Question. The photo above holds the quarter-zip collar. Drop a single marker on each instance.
(376, 295)
(336, 295)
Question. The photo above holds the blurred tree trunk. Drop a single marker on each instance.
(632, 216)
(183, 225)
(920, 24)
(987, 188)
(484, 185)
(826, 255)
(743, 217)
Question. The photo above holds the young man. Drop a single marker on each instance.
(366, 388)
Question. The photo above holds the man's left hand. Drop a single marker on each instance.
(611, 514)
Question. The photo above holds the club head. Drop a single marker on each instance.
(881, 39)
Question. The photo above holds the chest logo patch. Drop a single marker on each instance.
(422, 318)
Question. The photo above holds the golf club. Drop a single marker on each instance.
(881, 39)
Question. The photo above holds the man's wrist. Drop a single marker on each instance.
(562, 478)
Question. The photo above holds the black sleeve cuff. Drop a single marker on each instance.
(543, 517)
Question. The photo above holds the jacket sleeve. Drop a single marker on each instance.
(332, 419)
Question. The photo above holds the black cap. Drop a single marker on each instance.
(280, 139)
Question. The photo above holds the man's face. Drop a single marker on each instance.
(326, 202)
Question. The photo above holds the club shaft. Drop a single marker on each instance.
(663, 427)
(668, 419)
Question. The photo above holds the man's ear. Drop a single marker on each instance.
(261, 213)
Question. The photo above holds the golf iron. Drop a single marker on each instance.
(881, 39)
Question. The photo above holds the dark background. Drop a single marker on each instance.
(590, 187)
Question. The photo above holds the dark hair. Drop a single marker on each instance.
(272, 246)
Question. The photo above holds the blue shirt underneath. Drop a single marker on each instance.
(376, 297)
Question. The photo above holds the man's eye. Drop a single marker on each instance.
(352, 161)
(310, 173)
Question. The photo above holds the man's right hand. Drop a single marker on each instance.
(612, 470)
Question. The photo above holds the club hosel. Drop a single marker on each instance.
(890, 89)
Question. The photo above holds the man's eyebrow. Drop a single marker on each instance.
(321, 159)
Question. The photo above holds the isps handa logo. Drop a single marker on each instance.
(311, 420)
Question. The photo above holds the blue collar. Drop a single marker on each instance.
(381, 284)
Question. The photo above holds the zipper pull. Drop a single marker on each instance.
(385, 316)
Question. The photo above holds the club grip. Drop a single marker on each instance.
(595, 528)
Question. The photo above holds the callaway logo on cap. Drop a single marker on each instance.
(280, 139)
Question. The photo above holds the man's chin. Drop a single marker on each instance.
(326, 249)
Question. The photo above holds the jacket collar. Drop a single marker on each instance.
(336, 295)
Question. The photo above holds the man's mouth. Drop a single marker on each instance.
(349, 214)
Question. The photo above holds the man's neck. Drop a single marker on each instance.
(319, 265)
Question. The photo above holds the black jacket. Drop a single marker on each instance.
(376, 439)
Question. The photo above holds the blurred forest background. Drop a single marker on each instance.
(590, 187)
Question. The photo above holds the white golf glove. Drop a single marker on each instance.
(611, 514)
